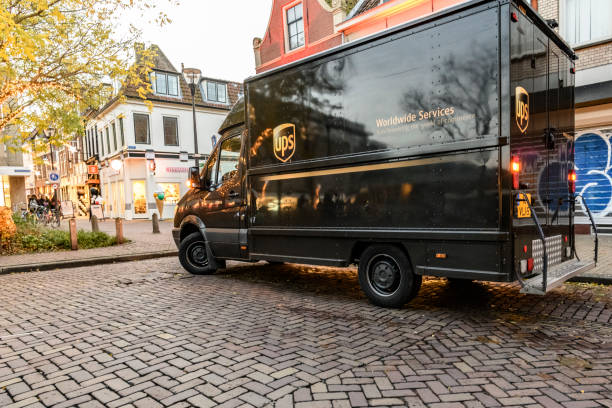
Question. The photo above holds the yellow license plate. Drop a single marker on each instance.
(522, 208)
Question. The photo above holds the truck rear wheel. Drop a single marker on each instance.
(386, 277)
(193, 255)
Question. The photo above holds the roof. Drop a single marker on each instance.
(362, 6)
(162, 63)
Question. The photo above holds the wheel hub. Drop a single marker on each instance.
(384, 275)
(197, 254)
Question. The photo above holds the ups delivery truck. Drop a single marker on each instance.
(441, 147)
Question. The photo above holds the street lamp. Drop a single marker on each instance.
(193, 77)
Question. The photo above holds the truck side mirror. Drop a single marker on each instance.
(194, 177)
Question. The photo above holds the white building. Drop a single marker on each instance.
(140, 151)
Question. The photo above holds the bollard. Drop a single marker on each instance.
(74, 242)
(155, 223)
(119, 230)
(94, 224)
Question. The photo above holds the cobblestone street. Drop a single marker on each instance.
(145, 334)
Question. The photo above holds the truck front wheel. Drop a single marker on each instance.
(386, 277)
(193, 255)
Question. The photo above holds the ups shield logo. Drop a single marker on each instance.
(522, 108)
(284, 141)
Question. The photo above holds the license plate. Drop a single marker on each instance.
(522, 208)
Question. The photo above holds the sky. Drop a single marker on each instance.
(215, 36)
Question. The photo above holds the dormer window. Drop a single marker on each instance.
(295, 27)
(216, 92)
(165, 84)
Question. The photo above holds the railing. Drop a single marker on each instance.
(536, 221)
(593, 225)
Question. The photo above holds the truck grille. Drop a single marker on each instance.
(554, 250)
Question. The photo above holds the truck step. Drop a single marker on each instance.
(557, 275)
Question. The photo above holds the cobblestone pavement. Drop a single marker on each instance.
(139, 232)
(144, 334)
(584, 247)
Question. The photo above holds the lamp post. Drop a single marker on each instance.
(193, 76)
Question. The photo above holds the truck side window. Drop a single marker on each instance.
(230, 156)
(210, 177)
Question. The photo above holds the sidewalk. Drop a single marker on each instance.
(144, 243)
(603, 272)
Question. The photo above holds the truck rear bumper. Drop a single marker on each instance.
(557, 275)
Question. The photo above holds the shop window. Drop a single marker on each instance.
(141, 128)
(171, 192)
(170, 131)
(139, 191)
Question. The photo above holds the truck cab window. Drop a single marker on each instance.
(230, 156)
(210, 175)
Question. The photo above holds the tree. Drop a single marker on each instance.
(59, 57)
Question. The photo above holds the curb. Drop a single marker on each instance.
(4, 270)
(599, 280)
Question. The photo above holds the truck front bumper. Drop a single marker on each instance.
(176, 234)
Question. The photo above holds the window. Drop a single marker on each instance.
(101, 144)
(121, 132)
(216, 92)
(171, 192)
(586, 20)
(170, 131)
(230, 155)
(210, 177)
(295, 27)
(108, 146)
(141, 128)
(165, 84)
(114, 136)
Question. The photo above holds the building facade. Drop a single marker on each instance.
(13, 174)
(138, 153)
(297, 29)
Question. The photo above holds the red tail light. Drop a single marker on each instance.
(514, 17)
(530, 264)
(515, 168)
(571, 181)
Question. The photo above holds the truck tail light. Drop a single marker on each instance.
(514, 17)
(571, 181)
(530, 264)
(515, 168)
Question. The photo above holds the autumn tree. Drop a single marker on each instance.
(59, 57)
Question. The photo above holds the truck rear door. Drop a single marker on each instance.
(541, 146)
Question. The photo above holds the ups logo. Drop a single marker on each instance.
(284, 141)
(522, 108)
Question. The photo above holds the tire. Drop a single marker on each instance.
(193, 255)
(386, 277)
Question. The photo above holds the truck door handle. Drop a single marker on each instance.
(233, 194)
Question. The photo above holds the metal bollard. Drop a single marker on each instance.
(155, 223)
(94, 224)
(119, 230)
(74, 242)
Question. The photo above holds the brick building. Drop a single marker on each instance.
(587, 26)
(296, 29)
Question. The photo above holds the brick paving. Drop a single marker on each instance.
(138, 231)
(145, 334)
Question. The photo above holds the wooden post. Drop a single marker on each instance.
(94, 224)
(74, 242)
(119, 230)
(155, 223)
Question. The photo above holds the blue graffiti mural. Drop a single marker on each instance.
(594, 171)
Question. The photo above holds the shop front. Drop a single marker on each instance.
(130, 186)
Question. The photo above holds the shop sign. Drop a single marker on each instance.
(176, 170)
(54, 177)
(93, 170)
